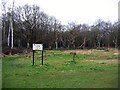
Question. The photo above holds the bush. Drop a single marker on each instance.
(12, 51)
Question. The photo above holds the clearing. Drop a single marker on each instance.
(91, 69)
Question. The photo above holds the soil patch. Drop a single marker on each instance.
(87, 52)
(103, 61)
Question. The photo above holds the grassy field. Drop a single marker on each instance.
(91, 69)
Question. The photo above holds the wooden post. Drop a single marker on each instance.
(42, 57)
(73, 53)
(33, 58)
(73, 57)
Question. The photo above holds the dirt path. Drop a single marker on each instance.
(104, 61)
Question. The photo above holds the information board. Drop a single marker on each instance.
(37, 46)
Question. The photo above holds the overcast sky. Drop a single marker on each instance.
(79, 11)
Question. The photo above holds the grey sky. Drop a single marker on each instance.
(79, 11)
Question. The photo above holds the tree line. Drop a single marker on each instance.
(24, 25)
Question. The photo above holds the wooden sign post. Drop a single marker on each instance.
(33, 57)
(37, 47)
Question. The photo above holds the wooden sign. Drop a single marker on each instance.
(37, 46)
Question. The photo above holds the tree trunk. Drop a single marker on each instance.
(74, 46)
(19, 43)
(108, 43)
(4, 32)
(84, 42)
(56, 41)
(56, 44)
(11, 26)
(115, 43)
(68, 46)
(94, 44)
(8, 39)
(63, 43)
(98, 44)
(28, 44)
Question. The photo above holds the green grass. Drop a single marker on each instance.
(60, 71)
